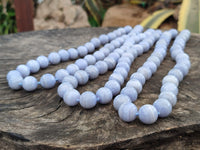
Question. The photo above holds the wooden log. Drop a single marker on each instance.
(41, 120)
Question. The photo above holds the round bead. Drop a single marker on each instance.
(92, 71)
(13, 73)
(104, 39)
(138, 76)
(70, 98)
(88, 100)
(117, 77)
(29, 83)
(104, 95)
(148, 114)
(124, 65)
(105, 51)
(151, 65)
(130, 92)
(163, 106)
(154, 59)
(127, 112)
(73, 53)
(81, 76)
(110, 47)
(170, 78)
(119, 51)
(24, 70)
(99, 55)
(116, 43)
(72, 68)
(171, 97)
(128, 28)
(119, 100)
(54, 58)
(135, 84)
(183, 68)
(122, 71)
(139, 49)
(145, 71)
(91, 60)
(64, 87)
(60, 74)
(128, 55)
(47, 81)
(169, 87)
(110, 62)
(33, 65)
(70, 79)
(81, 63)
(90, 47)
(177, 73)
(102, 67)
(15, 82)
(96, 42)
(82, 51)
(111, 36)
(114, 55)
(114, 86)
(64, 55)
(43, 61)
(125, 59)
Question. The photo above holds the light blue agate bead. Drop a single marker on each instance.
(96, 42)
(159, 55)
(73, 53)
(116, 43)
(105, 51)
(135, 84)
(122, 71)
(148, 114)
(119, 51)
(43, 61)
(70, 98)
(72, 68)
(128, 55)
(14, 81)
(163, 106)
(114, 86)
(81, 63)
(119, 100)
(127, 112)
(117, 77)
(33, 65)
(70, 79)
(154, 59)
(176, 52)
(177, 73)
(90, 47)
(81, 76)
(24, 70)
(47, 81)
(139, 49)
(102, 67)
(104, 95)
(128, 28)
(138, 76)
(88, 100)
(99, 55)
(104, 39)
(13, 73)
(171, 97)
(122, 30)
(82, 51)
(117, 32)
(64, 87)
(64, 55)
(169, 87)
(170, 78)
(151, 65)
(130, 92)
(183, 68)
(111, 63)
(145, 46)
(91, 60)
(60, 74)
(184, 62)
(30, 83)
(111, 36)
(54, 58)
(145, 71)
(114, 55)
(125, 59)
(124, 65)
(110, 47)
(92, 71)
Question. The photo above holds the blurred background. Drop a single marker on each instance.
(28, 15)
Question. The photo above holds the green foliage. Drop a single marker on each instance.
(7, 19)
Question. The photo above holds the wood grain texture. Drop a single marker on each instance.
(41, 120)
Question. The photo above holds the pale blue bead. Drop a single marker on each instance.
(64, 87)
(114, 55)
(154, 59)
(13, 73)
(72, 68)
(145, 46)
(139, 49)
(182, 56)
(174, 32)
(81, 76)
(96, 42)
(117, 32)
(183, 68)
(132, 51)
(122, 71)
(105, 51)
(114, 86)
(139, 28)
(82, 51)
(33, 65)
(161, 50)
(145, 71)
(54, 58)
(177, 73)
(110, 47)
(171, 97)
(119, 100)
(15, 82)
(127, 112)
(169, 87)
(128, 28)
(122, 30)
(130, 92)
(102, 67)
(110, 62)
(148, 114)
(70, 79)
(60, 74)
(91, 60)
(116, 43)
(128, 55)
(90, 47)
(99, 55)
(125, 59)
(104, 39)
(73, 53)
(129, 43)
(121, 40)
(170, 78)
(92, 71)
(81, 63)
(30, 83)
(163, 106)
(176, 52)
(88, 100)
(125, 47)
(118, 77)
(124, 65)
(119, 51)
(135, 84)
(64, 55)
(104, 95)
(43, 61)
(151, 65)
(184, 62)
(159, 55)
(24, 70)
(111, 36)
(47, 81)
(138, 76)
(70, 98)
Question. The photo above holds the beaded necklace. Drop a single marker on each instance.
(126, 44)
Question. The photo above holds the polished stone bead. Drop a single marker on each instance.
(114, 55)
(138, 76)
(170, 78)
(64, 55)
(110, 47)
(154, 59)
(30, 83)
(114, 86)
(73, 53)
(128, 28)
(96, 42)
(92, 71)
(124, 65)
(104, 39)
(24, 70)
(122, 71)
(159, 55)
(105, 51)
(81, 63)
(135, 84)
(33, 65)
(110, 62)
(64, 87)
(119, 100)
(139, 49)
(102, 67)
(82, 51)
(116, 43)
(122, 30)
(171, 97)
(151, 65)
(127, 112)
(91, 60)
(70, 98)
(13, 73)
(184, 62)
(128, 55)
(104, 95)
(126, 60)
(111, 36)
(14, 81)
(148, 114)
(70, 79)
(90, 47)
(117, 77)
(169, 87)
(81, 76)
(177, 73)
(47, 81)
(130, 92)
(183, 68)
(119, 51)
(88, 100)
(43, 61)
(72, 68)
(54, 58)
(145, 71)
(60, 74)
(99, 55)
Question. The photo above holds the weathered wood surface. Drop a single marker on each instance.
(40, 119)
